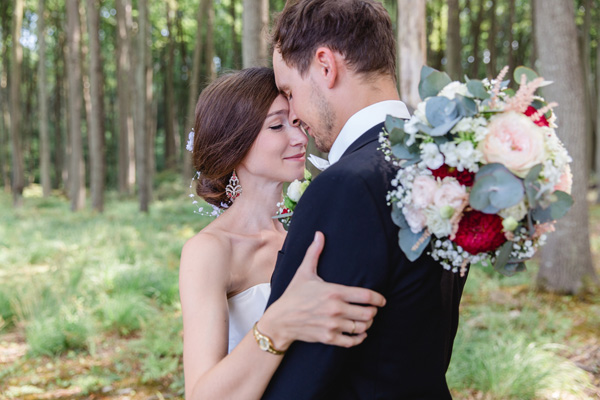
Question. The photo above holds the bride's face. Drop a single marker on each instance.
(280, 148)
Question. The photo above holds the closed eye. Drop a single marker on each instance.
(276, 127)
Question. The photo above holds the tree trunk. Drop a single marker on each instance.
(566, 262)
(4, 104)
(209, 49)
(151, 112)
(18, 177)
(586, 60)
(126, 165)
(77, 167)
(511, 36)
(453, 44)
(60, 166)
(141, 136)
(43, 103)
(235, 44)
(475, 34)
(170, 153)
(194, 86)
(412, 48)
(491, 45)
(254, 40)
(96, 126)
(597, 147)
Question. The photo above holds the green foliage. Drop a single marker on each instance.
(53, 334)
(124, 313)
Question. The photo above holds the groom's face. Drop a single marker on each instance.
(307, 102)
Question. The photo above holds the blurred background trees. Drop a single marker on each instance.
(100, 94)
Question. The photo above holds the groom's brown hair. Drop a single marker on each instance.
(360, 30)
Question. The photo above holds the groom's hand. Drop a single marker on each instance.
(313, 310)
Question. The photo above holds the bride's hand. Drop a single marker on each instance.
(313, 310)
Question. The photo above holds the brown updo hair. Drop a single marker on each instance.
(229, 115)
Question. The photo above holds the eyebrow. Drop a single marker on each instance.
(282, 112)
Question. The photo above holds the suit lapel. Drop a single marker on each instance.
(366, 138)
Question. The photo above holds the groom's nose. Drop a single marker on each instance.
(293, 118)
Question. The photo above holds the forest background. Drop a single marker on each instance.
(96, 102)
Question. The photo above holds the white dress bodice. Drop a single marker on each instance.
(245, 309)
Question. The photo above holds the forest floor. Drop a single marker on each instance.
(89, 310)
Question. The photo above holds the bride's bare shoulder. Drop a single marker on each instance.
(206, 254)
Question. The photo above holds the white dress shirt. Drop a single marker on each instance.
(362, 121)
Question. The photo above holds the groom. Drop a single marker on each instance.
(335, 60)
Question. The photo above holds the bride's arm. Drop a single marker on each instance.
(310, 310)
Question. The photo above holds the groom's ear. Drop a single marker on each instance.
(326, 62)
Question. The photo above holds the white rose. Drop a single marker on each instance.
(423, 190)
(294, 191)
(451, 193)
(453, 88)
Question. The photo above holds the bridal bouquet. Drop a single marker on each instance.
(483, 175)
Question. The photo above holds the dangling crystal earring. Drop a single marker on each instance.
(234, 189)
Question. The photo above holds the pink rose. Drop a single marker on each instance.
(515, 141)
(565, 183)
(424, 187)
(451, 193)
(415, 218)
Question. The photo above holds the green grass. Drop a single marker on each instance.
(103, 288)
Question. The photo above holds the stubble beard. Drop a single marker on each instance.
(324, 137)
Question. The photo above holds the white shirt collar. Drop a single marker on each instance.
(362, 121)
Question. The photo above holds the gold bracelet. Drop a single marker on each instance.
(264, 342)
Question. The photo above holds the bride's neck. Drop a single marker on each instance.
(253, 209)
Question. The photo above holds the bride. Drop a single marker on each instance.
(245, 148)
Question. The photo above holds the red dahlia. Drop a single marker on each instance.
(465, 178)
(479, 232)
(542, 121)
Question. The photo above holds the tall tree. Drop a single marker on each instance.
(141, 133)
(453, 41)
(254, 40)
(194, 83)
(476, 22)
(43, 103)
(60, 150)
(412, 50)
(77, 166)
(126, 164)
(511, 36)
(169, 89)
(96, 135)
(209, 48)
(566, 259)
(4, 105)
(18, 176)
(235, 44)
(491, 44)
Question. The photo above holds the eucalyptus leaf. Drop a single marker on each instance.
(503, 256)
(444, 128)
(395, 127)
(556, 210)
(402, 152)
(528, 72)
(531, 184)
(432, 81)
(440, 110)
(407, 240)
(495, 188)
(477, 89)
(466, 106)
(398, 217)
(410, 161)
(510, 269)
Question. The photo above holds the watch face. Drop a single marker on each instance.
(263, 344)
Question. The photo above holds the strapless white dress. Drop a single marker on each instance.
(245, 309)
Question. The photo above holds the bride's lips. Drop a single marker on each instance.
(296, 157)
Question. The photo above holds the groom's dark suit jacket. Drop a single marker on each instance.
(407, 351)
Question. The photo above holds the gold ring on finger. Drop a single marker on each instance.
(353, 327)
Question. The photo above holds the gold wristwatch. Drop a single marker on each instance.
(264, 342)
